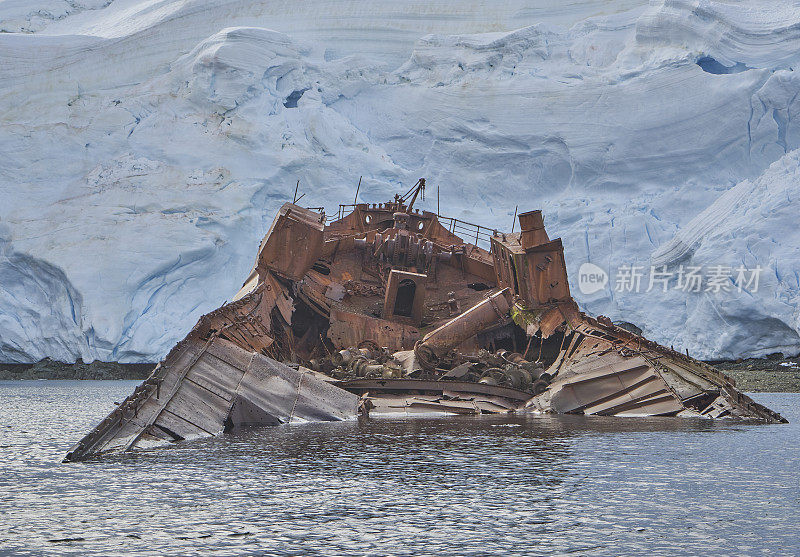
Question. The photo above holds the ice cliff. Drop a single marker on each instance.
(145, 146)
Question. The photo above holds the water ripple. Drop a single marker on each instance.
(467, 485)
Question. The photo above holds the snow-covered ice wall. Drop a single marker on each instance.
(146, 144)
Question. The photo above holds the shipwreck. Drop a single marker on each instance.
(389, 310)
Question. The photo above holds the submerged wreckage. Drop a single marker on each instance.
(387, 310)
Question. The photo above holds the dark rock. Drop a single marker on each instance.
(51, 369)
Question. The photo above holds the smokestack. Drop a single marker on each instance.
(532, 229)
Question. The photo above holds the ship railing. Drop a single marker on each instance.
(345, 209)
(470, 232)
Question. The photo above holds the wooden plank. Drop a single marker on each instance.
(319, 400)
(200, 396)
(270, 388)
(200, 407)
(274, 387)
(175, 367)
(119, 437)
(230, 353)
(217, 376)
(118, 442)
(181, 427)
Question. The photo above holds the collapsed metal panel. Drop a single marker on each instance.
(609, 371)
(209, 388)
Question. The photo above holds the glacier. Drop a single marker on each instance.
(146, 144)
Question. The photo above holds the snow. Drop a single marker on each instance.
(146, 145)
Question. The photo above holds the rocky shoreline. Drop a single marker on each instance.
(773, 374)
(51, 369)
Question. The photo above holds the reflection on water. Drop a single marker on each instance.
(465, 485)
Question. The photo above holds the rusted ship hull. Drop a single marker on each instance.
(388, 310)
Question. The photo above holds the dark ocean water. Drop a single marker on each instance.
(426, 486)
